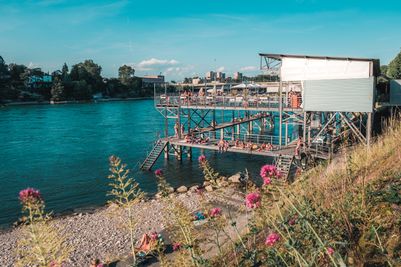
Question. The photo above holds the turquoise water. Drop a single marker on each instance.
(63, 151)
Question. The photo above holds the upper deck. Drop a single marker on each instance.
(257, 102)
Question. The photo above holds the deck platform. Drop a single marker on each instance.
(288, 151)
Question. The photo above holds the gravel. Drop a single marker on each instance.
(100, 234)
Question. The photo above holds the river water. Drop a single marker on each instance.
(63, 151)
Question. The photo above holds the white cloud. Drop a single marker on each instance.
(154, 63)
(221, 69)
(249, 68)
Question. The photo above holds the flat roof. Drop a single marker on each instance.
(279, 56)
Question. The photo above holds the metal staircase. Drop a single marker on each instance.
(284, 166)
(154, 154)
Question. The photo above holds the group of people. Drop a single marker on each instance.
(192, 139)
(223, 145)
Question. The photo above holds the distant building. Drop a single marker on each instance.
(37, 81)
(237, 76)
(197, 80)
(150, 80)
(210, 76)
(220, 76)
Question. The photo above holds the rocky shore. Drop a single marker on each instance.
(100, 234)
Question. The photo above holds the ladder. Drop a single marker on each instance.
(154, 154)
(283, 165)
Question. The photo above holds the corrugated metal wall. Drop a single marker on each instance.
(395, 92)
(348, 95)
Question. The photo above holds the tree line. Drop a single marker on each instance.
(21, 83)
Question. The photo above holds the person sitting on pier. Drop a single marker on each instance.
(188, 138)
(262, 147)
(220, 145)
(237, 143)
(226, 146)
(269, 147)
(205, 141)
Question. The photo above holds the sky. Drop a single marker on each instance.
(187, 38)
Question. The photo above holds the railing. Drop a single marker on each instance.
(243, 101)
(256, 139)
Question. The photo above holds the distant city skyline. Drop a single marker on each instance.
(181, 40)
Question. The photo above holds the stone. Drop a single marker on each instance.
(236, 178)
(206, 183)
(182, 189)
(224, 184)
(194, 188)
(170, 190)
(158, 195)
(209, 188)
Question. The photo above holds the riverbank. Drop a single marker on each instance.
(29, 103)
(100, 233)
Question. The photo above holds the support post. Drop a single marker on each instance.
(280, 109)
(369, 129)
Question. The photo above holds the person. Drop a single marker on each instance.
(182, 129)
(226, 145)
(221, 145)
(176, 126)
(96, 263)
(298, 147)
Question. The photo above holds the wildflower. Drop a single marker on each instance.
(266, 181)
(159, 172)
(272, 239)
(292, 221)
(176, 246)
(154, 236)
(202, 159)
(330, 251)
(252, 200)
(215, 212)
(268, 171)
(30, 195)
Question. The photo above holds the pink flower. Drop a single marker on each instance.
(330, 251)
(159, 172)
(292, 221)
(272, 239)
(202, 159)
(267, 181)
(252, 200)
(269, 171)
(215, 212)
(176, 246)
(29, 195)
(153, 236)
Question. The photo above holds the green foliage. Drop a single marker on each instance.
(394, 68)
(125, 74)
(57, 91)
(40, 243)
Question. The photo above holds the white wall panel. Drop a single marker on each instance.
(303, 69)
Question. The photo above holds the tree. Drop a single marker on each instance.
(125, 74)
(64, 71)
(57, 91)
(383, 69)
(394, 68)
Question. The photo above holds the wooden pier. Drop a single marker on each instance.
(320, 121)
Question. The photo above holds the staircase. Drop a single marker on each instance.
(283, 165)
(154, 154)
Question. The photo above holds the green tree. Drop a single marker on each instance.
(64, 71)
(125, 74)
(57, 91)
(383, 69)
(394, 68)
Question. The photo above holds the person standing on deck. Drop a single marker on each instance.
(176, 129)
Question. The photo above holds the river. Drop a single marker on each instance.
(63, 151)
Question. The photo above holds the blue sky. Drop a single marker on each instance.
(185, 38)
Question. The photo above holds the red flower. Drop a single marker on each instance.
(202, 159)
(159, 172)
(153, 236)
(215, 212)
(30, 195)
(269, 171)
(267, 181)
(252, 200)
(272, 239)
(330, 251)
(176, 246)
